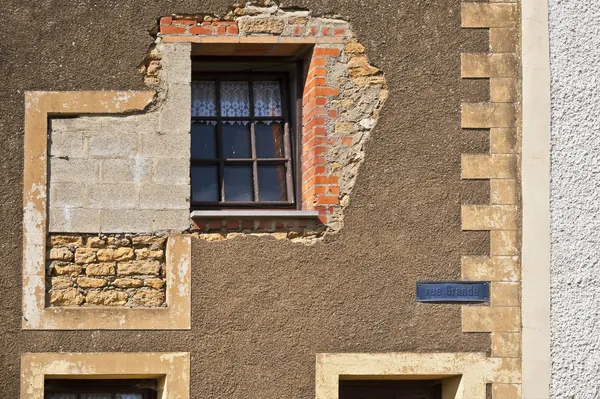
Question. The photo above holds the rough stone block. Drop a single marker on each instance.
(115, 255)
(155, 283)
(126, 220)
(495, 268)
(73, 170)
(503, 191)
(65, 269)
(95, 242)
(503, 90)
(113, 196)
(147, 253)
(483, 166)
(491, 319)
(61, 283)
(503, 141)
(503, 40)
(74, 220)
(86, 282)
(101, 269)
(172, 171)
(138, 268)
(113, 145)
(69, 144)
(85, 255)
(118, 241)
(59, 240)
(505, 293)
(106, 298)
(489, 15)
(489, 217)
(128, 283)
(504, 243)
(506, 344)
(485, 65)
(148, 298)
(250, 25)
(67, 195)
(487, 115)
(61, 254)
(152, 241)
(68, 297)
(163, 196)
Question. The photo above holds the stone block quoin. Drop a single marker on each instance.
(500, 115)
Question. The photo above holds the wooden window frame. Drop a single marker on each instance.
(291, 136)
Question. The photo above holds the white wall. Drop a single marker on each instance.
(575, 198)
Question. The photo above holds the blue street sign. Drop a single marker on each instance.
(453, 291)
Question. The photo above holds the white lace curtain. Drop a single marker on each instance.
(235, 98)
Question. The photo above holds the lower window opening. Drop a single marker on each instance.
(100, 389)
(390, 389)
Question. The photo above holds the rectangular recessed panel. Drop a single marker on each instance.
(205, 186)
(238, 183)
(269, 140)
(271, 182)
(204, 140)
(235, 98)
(204, 101)
(236, 140)
(267, 98)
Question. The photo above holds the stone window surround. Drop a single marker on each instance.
(172, 370)
(39, 106)
(463, 375)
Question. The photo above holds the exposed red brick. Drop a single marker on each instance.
(214, 224)
(326, 32)
(232, 225)
(172, 30)
(185, 22)
(233, 30)
(166, 20)
(347, 141)
(328, 200)
(326, 51)
(200, 30)
(312, 31)
(221, 30)
(340, 32)
(298, 30)
(334, 189)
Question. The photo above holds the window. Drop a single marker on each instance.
(242, 141)
(100, 389)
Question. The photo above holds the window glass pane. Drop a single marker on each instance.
(235, 99)
(204, 101)
(205, 186)
(95, 396)
(129, 396)
(236, 140)
(61, 396)
(269, 140)
(204, 140)
(238, 183)
(267, 98)
(271, 183)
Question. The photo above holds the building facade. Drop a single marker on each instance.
(241, 200)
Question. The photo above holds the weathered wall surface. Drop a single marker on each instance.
(262, 308)
(575, 195)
